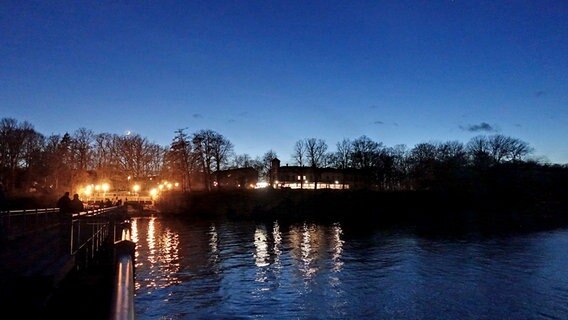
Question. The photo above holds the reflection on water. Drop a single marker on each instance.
(224, 269)
(213, 243)
(160, 256)
(337, 247)
(261, 245)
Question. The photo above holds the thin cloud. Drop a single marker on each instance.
(378, 122)
(482, 127)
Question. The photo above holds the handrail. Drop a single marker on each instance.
(21, 212)
(94, 212)
(123, 296)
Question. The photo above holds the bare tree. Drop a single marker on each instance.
(203, 151)
(179, 158)
(134, 155)
(364, 152)
(299, 154)
(222, 150)
(499, 147)
(423, 159)
(266, 164)
(33, 165)
(315, 151)
(453, 152)
(520, 149)
(104, 162)
(343, 154)
(242, 161)
(14, 137)
(315, 156)
(478, 149)
(82, 148)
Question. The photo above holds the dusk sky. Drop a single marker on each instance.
(268, 73)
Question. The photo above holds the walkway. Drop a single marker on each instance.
(49, 266)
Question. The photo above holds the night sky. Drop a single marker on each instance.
(268, 73)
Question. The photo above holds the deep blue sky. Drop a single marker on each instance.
(268, 73)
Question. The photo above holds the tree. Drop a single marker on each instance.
(33, 165)
(211, 150)
(478, 149)
(82, 146)
(242, 161)
(423, 159)
(14, 137)
(342, 158)
(520, 149)
(315, 156)
(364, 152)
(104, 163)
(179, 158)
(265, 164)
(222, 150)
(299, 153)
(135, 156)
(315, 152)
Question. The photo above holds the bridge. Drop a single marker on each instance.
(64, 266)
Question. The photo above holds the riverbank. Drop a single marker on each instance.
(498, 208)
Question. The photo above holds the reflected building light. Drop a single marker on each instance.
(134, 237)
(306, 246)
(277, 235)
(169, 257)
(213, 243)
(134, 230)
(337, 244)
(261, 246)
(151, 240)
(170, 246)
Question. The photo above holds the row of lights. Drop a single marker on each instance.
(91, 189)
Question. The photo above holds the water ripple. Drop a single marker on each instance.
(244, 270)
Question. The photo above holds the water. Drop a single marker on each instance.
(244, 270)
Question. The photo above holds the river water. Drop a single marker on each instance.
(248, 270)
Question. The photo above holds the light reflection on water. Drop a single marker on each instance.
(224, 269)
(160, 257)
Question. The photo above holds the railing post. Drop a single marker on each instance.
(123, 295)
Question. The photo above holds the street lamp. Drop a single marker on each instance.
(105, 188)
(136, 188)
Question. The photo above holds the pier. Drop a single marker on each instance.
(66, 266)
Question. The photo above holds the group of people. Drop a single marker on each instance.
(68, 205)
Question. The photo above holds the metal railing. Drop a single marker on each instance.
(16, 223)
(87, 231)
(90, 231)
(123, 296)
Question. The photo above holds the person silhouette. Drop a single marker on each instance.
(64, 203)
(76, 204)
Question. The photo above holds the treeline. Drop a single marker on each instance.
(31, 161)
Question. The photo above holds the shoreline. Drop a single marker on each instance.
(428, 209)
